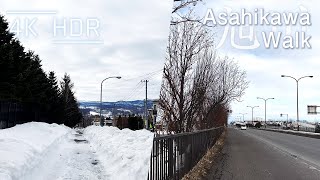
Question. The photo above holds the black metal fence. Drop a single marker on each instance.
(85, 122)
(173, 156)
(12, 113)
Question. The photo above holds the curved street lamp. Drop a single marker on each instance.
(117, 77)
(243, 115)
(297, 81)
(252, 107)
(265, 109)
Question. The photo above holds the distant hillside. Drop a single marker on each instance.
(119, 107)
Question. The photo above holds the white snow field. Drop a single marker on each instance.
(40, 151)
(125, 154)
(24, 146)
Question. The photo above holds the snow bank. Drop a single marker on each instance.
(125, 154)
(23, 146)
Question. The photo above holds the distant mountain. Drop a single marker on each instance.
(119, 107)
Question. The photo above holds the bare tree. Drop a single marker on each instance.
(182, 4)
(186, 41)
(197, 86)
(228, 84)
(183, 11)
(196, 83)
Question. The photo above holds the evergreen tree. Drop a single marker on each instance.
(5, 36)
(71, 108)
(22, 80)
(54, 100)
(10, 49)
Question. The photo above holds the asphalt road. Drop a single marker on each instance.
(256, 154)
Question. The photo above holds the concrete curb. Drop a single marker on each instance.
(297, 133)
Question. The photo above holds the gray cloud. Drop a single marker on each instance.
(133, 35)
(265, 66)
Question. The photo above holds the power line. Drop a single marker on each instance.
(144, 76)
(134, 91)
(137, 89)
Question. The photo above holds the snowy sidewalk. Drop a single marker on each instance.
(22, 147)
(72, 158)
(40, 151)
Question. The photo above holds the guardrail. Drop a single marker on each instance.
(307, 129)
(173, 156)
(301, 128)
(297, 133)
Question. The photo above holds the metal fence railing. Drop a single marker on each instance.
(175, 155)
(85, 122)
(12, 113)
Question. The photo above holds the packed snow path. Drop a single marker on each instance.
(41, 151)
(72, 159)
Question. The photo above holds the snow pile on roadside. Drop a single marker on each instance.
(23, 146)
(125, 154)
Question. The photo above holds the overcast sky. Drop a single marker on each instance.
(265, 66)
(132, 40)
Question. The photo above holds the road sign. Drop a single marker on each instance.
(312, 109)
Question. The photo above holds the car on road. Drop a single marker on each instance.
(243, 127)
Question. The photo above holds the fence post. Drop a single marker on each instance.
(175, 155)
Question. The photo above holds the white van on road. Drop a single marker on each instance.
(243, 127)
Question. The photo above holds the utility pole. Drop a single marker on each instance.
(145, 104)
(113, 116)
(114, 106)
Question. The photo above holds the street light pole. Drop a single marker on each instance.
(118, 77)
(297, 81)
(284, 114)
(252, 107)
(265, 109)
(243, 116)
